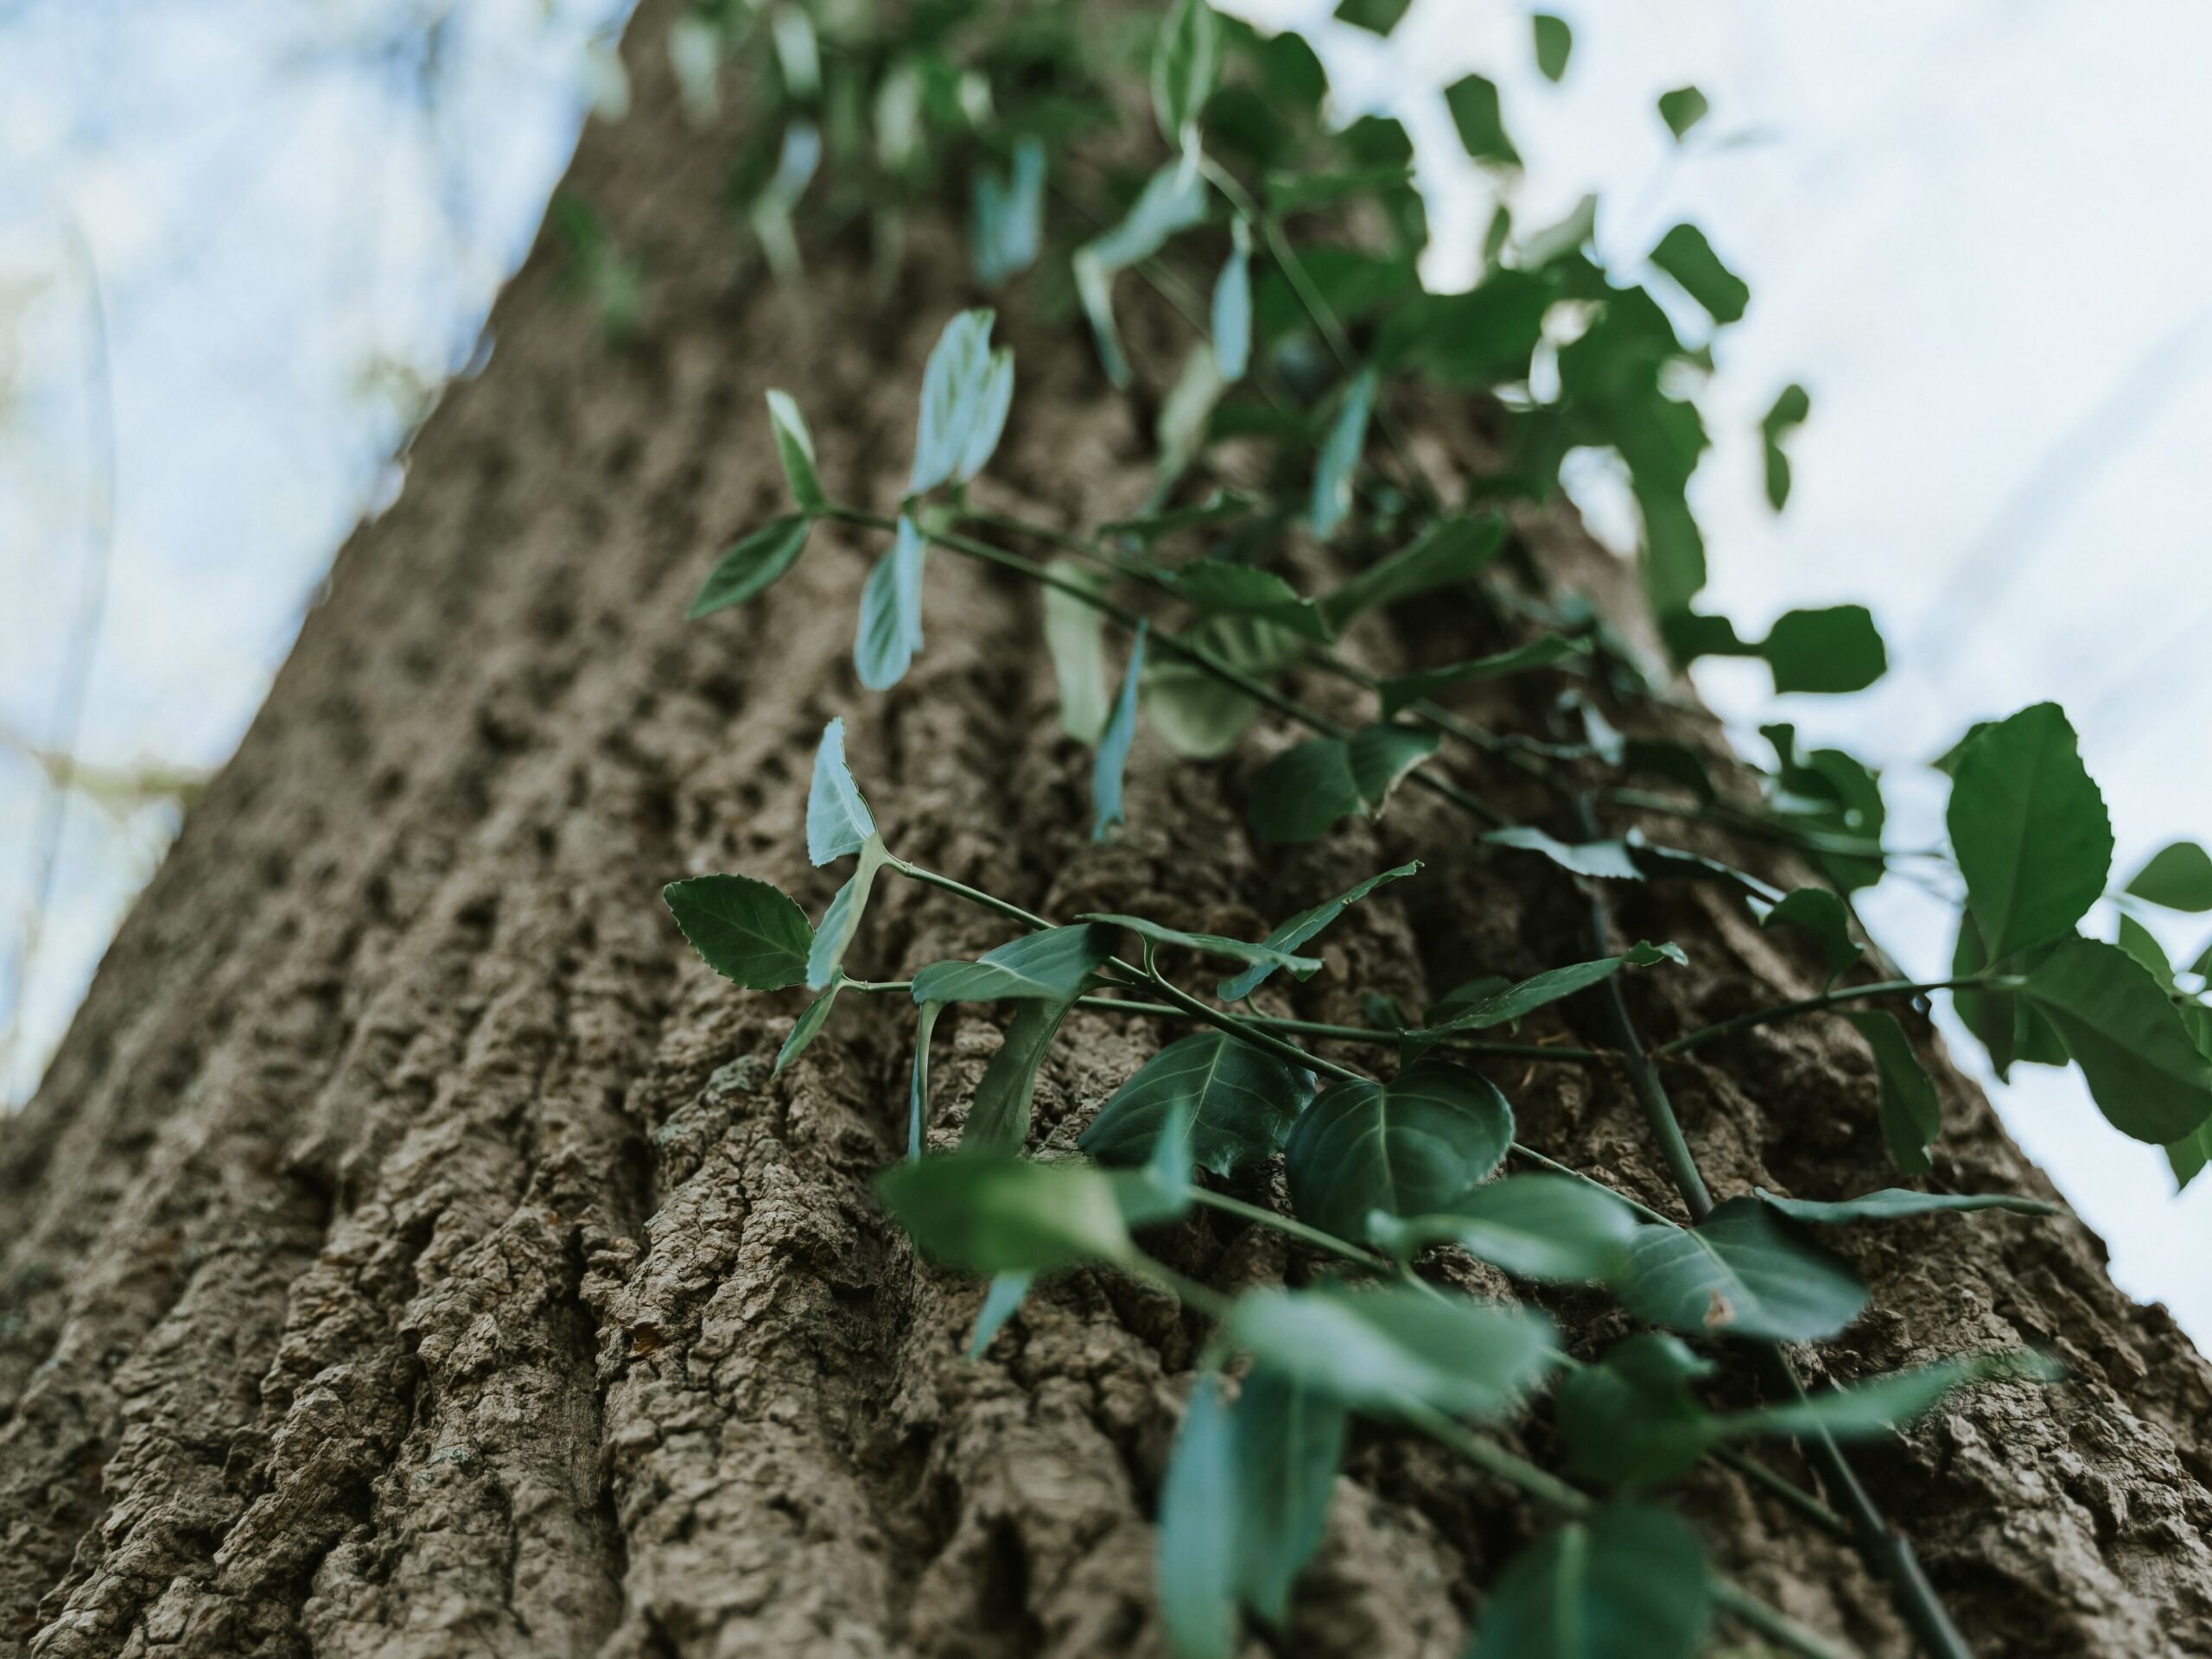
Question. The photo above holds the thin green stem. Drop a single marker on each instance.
(1237, 1027)
(1830, 999)
(973, 895)
(1259, 1216)
(1520, 1150)
(1787, 1490)
(1771, 1622)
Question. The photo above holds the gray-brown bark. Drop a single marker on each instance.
(409, 1255)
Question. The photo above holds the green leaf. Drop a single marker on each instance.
(1048, 966)
(998, 1112)
(1240, 1102)
(837, 818)
(808, 1025)
(1307, 788)
(1825, 917)
(1340, 453)
(1912, 1114)
(1472, 102)
(991, 1212)
(1075, 637)
(1631, 1419)
(966, 391)
(1682, 109)
(1789, 411)
(1232, 307)
(795, 446)
(1451, 550)
(1216, 587)
(842, 918)
(1007, 219)
(1288, 936)
(1517, 1001)
(1744, 1271)
(2178, 876)
(891, 611)
(1211, 943)
(1000, 1302)
(1173, 200)
(1290, 1439)
(745, 930)
(1543, 1227)
(1112, 757)
(1629, 1584)
(1195, 1566)
(1376, 17)
(1471, 341)
(1199, 717)
(1414, 1146)
(1376, 1350)
(1835, 650)
(752, 564)
(918, 1089)
(1886, 1403)
(2144, 1071)
(1895, 1203)
(1685, 255)
(2143, 945)
(2029, 830)
(1555, 42)
(1403, 690)
(1605, 860)
(1186, 63)
(2187, 1156)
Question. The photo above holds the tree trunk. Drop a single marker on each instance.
(410, 1253)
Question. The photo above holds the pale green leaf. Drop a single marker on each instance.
(1173, 200)
(1606, 859)
(1215, 588)
(1048, 966)
(842, 918)
(1232, 307)
(1186, 63)
(1631, 1583)
(795, 447)
(808, 1025)
(1000, 1302)
(837, 818)
(1539, 1226)
(1112, 757)
(1075, 638)
(966, 391)
(1198, 715)
(991, 1212)
(1195, 1565)
(1896, 1202)
(1007, 221)
(1339, 458)
(891, 611)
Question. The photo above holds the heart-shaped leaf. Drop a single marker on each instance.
(1412, 1146)
(1241, 1104)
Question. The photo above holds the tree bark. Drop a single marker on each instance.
(409, 1253)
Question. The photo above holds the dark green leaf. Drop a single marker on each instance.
(1545, 1227)
(989, 1211)
(752, 564)
(1232, 308)
(1789, 411)
(1214, 587)
(1412, 1146)
(1406, 690)
(1682, 109)
(1211, 943)
(2030, 830)
(1471, 341)
(1554, 41)
(1633, 1419)
(2187, 1156)
(1306, 789)
(837, 818)
(1241, 1104)
(2143, 945)
(746, 929)
(1895, 1203)
(1376, 1350)
(1186, 63)
(1340, 453)
(1000, 1302)
(1376, 17)
(1288, 936)
(1517, 1001)
(2144, 1071)
(1472, 101)
(1608, 860)
(2178, 876)
(1075, 637)
(808, 1025)
(1912, 1114)
(1290, 1439)
(891, 611)
(1744, 1271)
(1685, 255)
(1824, 916)
(795, 446)
(1196, 1566)
(842, 918)
(1049, 966)
(1835, 650)
(1451, 550)
(998, 1112)
(1630, 1584)
(1112, 757)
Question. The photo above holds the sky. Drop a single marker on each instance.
(241, 244)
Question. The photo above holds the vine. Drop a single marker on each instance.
(1287, 249)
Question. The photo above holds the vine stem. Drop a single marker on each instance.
(1260, 1215)
(1882, 1545)
(1830, 999)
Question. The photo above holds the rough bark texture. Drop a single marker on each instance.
(410, 1255)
